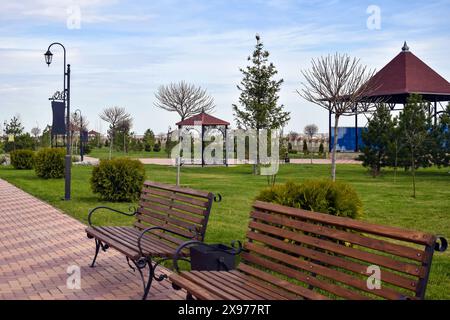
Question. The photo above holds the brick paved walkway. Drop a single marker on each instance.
(37, 245)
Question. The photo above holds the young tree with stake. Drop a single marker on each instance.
(259, 108)
(336, 83)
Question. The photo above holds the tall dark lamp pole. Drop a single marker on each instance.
(66, 98)
(81, 135)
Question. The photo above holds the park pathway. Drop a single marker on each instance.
(169, 162)
(38, 244)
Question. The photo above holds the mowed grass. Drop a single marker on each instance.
(385, 202)
(103, 153)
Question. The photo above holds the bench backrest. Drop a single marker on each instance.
(183, 210)
(333, 257)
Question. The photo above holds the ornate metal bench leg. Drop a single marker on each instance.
(97, 249)
(151, 273)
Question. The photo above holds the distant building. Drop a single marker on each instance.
(296, 140)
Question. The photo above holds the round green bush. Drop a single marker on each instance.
(50, 163)
(118, 180)
(157, 147)
(22, 159)
(326, 196)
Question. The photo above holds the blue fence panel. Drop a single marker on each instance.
(347, 139)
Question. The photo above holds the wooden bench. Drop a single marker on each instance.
(297, 254)
(166, 217)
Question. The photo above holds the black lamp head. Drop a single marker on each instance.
(48, 57)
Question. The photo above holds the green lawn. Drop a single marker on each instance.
(103, 153)
(384, 201)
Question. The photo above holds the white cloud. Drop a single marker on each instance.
(123, 64)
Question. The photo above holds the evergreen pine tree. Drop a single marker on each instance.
(305, 147)
(376, 140)
(321, 148)
(413, 131)
(259, 107)
(149, 140)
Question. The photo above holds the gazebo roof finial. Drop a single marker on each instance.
(405, 47)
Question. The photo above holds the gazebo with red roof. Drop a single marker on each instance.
(206, 122)
(406, 74)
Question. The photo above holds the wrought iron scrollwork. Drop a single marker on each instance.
(218, 198)
(441, 244)
(132, 212)
(59, 95)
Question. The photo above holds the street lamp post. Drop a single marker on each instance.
(81, 135)
(66, 98)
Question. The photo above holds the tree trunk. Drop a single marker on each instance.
(333, 151)
(396, 162)
(111, 144)
(310, 151)
(256, 165)
(413, 171)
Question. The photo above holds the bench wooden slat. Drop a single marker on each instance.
(259, 292)
(390, 232)
(280, 283)
(158, 223)
(148, 243)
(314, 268)
(184, 216)
(199, 202)
(162, 234)
(273, 292)
(227, 286)
(147, 200)
(131, 253)
(385, 261)
(182, 190)
(337, 261)
(372, 243)
(167, 219)
(196, 290)
(115, 235)
(215, 290)
(304, 276)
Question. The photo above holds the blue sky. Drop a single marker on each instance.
(124, 50)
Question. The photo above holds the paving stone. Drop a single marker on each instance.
(39, 242)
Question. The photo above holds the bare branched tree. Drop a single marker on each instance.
(124, 127)
(184, 98)
(77, 123)
(113, 116)
(310, 131)
(336, 83)
(36, 131)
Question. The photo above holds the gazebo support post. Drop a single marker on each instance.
(435, 112)
(329, 130)
(203, 145)
(356, 130)
(226, 149)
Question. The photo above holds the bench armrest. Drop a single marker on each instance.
(150, 229)
(236, 246)
(441, 244)
(132, 212)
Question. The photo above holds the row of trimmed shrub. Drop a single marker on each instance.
(48, 163)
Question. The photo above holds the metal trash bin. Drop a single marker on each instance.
(214, 257)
